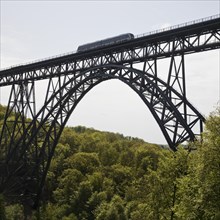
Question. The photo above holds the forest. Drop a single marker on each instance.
(96, 175)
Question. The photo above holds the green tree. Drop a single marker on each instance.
(163, 183)
(68, 184)
(200, 189)
(146, 157)
(108, 155)
(2, 208)
(114, 210)
(86, 163)
(14, 212)
(122, 177)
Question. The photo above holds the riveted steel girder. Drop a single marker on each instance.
(192, 39)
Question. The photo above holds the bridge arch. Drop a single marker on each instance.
(113, 106)
(53, 116)
(153, 91)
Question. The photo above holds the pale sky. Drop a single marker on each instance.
(32, 30)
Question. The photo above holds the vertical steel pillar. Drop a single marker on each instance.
(19, 114)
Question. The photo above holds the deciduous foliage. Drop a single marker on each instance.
(2, 208)
(200, 193)
(106, 176)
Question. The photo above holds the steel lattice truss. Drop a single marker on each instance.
(145, 50)
(28, 138)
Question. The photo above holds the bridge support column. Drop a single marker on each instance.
(14, 159)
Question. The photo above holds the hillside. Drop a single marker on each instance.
(106, 176)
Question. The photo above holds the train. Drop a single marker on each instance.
(109, 41)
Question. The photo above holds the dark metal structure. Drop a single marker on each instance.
(28, 138)
(106, 42)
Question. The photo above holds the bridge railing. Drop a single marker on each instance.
(39, 60)
(178, 26)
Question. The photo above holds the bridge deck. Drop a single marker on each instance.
(195, 37)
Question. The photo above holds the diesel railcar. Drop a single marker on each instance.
(102, 43)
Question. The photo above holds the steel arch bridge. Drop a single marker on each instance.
(28, 138)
